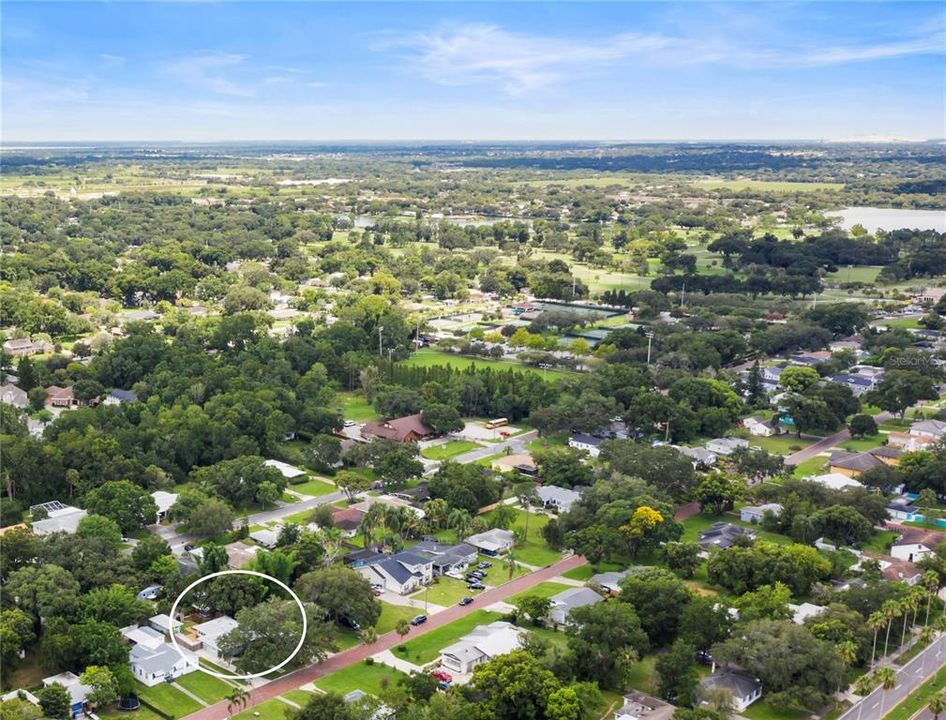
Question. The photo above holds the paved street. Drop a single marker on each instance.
(176, 539)
(909, 678)
(829, 442)
(386, 642)
(516, 445)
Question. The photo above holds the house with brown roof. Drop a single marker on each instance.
(61, 397)
(410, 428)
(23, 347)
(915, 544)
(853, 464)
(347, 520)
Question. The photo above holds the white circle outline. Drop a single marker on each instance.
(280, 583)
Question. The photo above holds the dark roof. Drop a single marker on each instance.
(411, 558)
(124, 395)
(398, 428)
(363, 555)
(347, 518)
(738, 683)
(586, 439)
(723, 535)
(393, 568)
(857, 462)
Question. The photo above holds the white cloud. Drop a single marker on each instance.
(212, 72)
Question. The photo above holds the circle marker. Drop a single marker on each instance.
(250, 676)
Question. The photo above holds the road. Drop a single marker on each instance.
(909, 678)
(176, 539)
(358, 653)
(829, 442)
(516, 445)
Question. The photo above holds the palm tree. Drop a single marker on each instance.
(887, 678)
(863, 687)
(403, 627)
(369, 636)
(510, 563)
(875, 622)
(847, 654)
(906, 605)
(527, 496)
(930, 582)
(436, 511)
(937, 705)
(890, 609)
(237, 700)
(459, 520)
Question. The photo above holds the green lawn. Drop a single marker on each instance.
(880, 541)
(390, 614)
(812, 466)
(167, 699)
(769, 186)
(429, 357)
(300, 697)
(534, 551)
(356, 407)
(427, 647)
(543, 590)
(368, 678)
(643, 676)
(444, 591)
(762, 710)
(316, 488)
(270, 710)
(206, 687)
(780, 444)
(449, 449)
(584, 572)
(142, 713)
(864, 444)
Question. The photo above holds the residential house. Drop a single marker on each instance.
(758, 426)
(902, 508)
(290, 472)
(835, 480)
(12, 395)
(853, 464)
(388, 500)
(557, 498)
(922, 435)
(701, 457)
(803, 611)
(852, 342)
(810, 359)
(519, 462)
(379, 712)
(933, 429)
(59, 518)
(347, 520)
(723, 535)
(895, 570)
(23, 347)
(638, 706)
(912, 545)
(772, 373)
(162, 623)
(63, 397)
(210, 632)
(492, 542)
(588, 443)
(446, 558)
(481, 645)
(119, 397)
(726, 446)
(152, 666)
(77, 691)
(152, 592)
(859, 384)
(266, 537)
(145, 636)
(610, 582)
(564, 602)
(744, 688)
(410, 428)
(401, 573)
(240, 554)
(165, 501)
(756, 513)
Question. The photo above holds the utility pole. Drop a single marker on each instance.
(380, 330)
(683, 293)
(650, 337)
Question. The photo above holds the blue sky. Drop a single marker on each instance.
(394, 71)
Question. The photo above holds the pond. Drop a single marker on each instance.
(891, 218)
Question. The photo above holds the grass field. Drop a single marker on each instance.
(390, 614)
(865, 443)
(448, 450)
(444, 591)
(763, 710)
(316, 488)
(356, 407)
(427, 647)
(780, 444)
(369, 678)
(812, 466)
(142, 713)
(299, 697)
(880, 541)
(206, 687)
(584, 572)
(534, 551)
(772, 186)
(269, 710)
(542, 590)
(642, 675)
(167, 699)
(429, 357)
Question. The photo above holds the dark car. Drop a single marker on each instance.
(702, 656)
(466, 601)
(188, 547)
(349, 623)
(475, 586)
(478, 575)
(418, 620)
(483, 565)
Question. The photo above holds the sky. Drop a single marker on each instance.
(213, 71)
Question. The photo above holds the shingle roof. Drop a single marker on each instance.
(398, 428)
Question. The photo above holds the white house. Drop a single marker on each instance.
(401, 573)
(803, 611)
(290, 472)
(266, 537)
(756, 513)
(567, 600)
(59, 518)
(165, 501)
(638, 706)
(161, 664)
(835, 481)
(481, 645)
(758, 427)
(210, 632)
(726, 446)
(913, 545)
(119, 397)
(743, 688)
(557, 498)
(77, 691)
(699, 456)
(145, 636)
(492, 542)
(609, 581)
(589, 443)
(162, 623)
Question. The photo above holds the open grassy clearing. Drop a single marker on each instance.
(781, 444)
(584, 572)
(356, 407)
(542, 590)
(448, 450)
(167, 699)
(772, 186)
(299, 697)
(534, 551)
(444, 591)
(390, 614)
(812, 466)
(428, 357)
(142, 713)
(426, 648)
(315, 488)
(270, 710)
(206, 687)
(763, 710)
(369, 678)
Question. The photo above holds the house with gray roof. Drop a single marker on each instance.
(723, 535)
(401, 573)
(609, 581)
(638, 706)
(210, 632)
(161, 664)
(446, 558)
(756, 513)
(567, 600)
(558, 498)
(481, 645)
(12, 395)
(492, 542)
(743, 688)
(59, 518)
(588, 443)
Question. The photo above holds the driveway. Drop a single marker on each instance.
(516, 445)
(829, 442)
(358, 653)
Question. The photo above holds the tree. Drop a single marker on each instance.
(402, 627)
(843, 525)
(324, 452)
(514, 685)
(640, 530)
(99, 643)
(342, 593)
(677, 675)
(212, 517)
(705, 621)
(55, 701)
(149, 549)
(124, 502)
(682, 557)
(101, 527)
(718, 492)
(562, 466)
(937, 705)
(535, 607)
(238, 481)
(503, 517)
(103, 683)
(598, 634)
(16, 632)
(659, 597)
(596, 542)
(419, 686)
(352, 483)
(766, 602)
(398, 465)
(116, 605)
(268, 631)
(862, 426)
(900, 390)
(442, 419)
(798, 378)
(887, 679)
(19, 709)
(214, 558)
(43, 591)
(238, 699)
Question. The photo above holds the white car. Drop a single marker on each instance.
(350, 423)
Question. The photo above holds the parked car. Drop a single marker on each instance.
(475, 586)
(454, 574)
(188, 547)
(442, 675)
(443, 685)
(418, 620)
(484, 565)
(466, 601)
(350, 423)
(349, 623)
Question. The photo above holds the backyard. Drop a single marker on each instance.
(360, 676)
(167, 699)
(206, 687)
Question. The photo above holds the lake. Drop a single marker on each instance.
(891, 218)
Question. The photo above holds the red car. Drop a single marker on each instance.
(442, 676)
